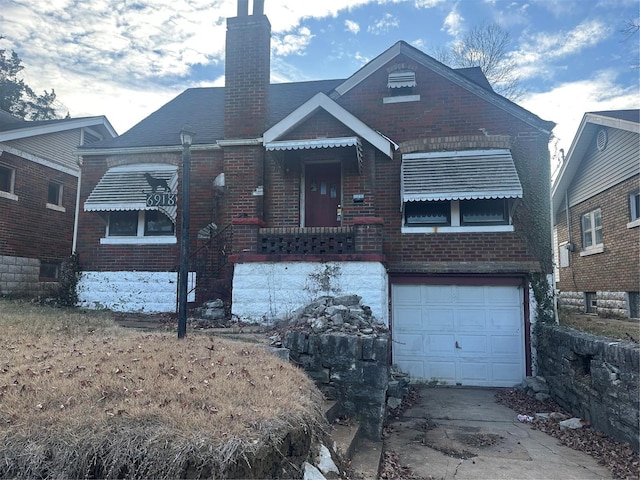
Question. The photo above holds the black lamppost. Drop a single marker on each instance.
(186, 138)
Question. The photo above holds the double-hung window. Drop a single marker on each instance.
(592, 232)
(54, 196)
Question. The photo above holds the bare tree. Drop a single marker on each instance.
(485, 46)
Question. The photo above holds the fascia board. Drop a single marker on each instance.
(618, 123)
(89, 152)
(57, 127)
(320, 100)
(39, 160)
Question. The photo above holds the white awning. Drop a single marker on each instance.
(402, 79)
(313, 143)
(126, 188)
(466, 175)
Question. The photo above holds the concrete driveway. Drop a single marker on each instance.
(462, 433)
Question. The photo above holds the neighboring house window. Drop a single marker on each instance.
(634, 210)
(7, 182)
(49, 271)
(54, 196)
(592, 232)
(591, 302)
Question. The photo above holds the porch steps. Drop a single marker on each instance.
(362, 455)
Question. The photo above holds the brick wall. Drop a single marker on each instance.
(616, 268)
(28, 229)
(205, 209)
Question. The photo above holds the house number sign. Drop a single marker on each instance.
(162, 199)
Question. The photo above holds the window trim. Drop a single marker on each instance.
(10, 194)
(634, 209)
(140, 238)
(594, 247)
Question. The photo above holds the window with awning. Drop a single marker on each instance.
(461, 190)
(127, 188)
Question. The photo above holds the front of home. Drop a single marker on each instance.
(39, 175)
(596, 206)
(409, 183)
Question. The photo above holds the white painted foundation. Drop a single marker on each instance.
(265, 291)
(139, 292)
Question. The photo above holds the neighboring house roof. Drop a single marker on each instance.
(12, 128)
(625, 120)
(203, 108)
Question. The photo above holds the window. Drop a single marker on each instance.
(139, 224)
(457, 215)
(7, 182)
(484, 212)
(428, 213)
(54, 196)
(634, 210)
(50, 271)
(592, 232)
(401, 85)
(591, 302)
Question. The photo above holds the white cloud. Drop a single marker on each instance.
(538, 51)
(566, 103)
(386, 23)
(352, 26)
(292, 43)
(453, 22)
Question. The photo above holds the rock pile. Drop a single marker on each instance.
(344, 314)
(536, 387)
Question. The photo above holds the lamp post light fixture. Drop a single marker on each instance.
(186, 139)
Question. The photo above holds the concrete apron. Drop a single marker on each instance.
(462, 433)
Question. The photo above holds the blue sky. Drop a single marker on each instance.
(126, 58)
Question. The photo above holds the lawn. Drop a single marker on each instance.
(619, 329)
(82, 397)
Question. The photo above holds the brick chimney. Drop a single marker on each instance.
(247, 72)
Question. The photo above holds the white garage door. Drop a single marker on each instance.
(465, 335)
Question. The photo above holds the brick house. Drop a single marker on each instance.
(596, 238)
(409, 183)
(39, 175)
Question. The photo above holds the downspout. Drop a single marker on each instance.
(77, 209)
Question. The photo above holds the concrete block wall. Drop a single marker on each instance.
(351, 369)
(594, 378)
(19, 275)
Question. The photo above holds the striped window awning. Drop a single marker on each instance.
(466, 175)
(314, 143)
(126, 188)
(402, 79)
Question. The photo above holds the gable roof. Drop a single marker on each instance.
(467, 79)
(627, 120)
(320, 101)
(13, 128)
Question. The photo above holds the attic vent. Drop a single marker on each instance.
(402, 79)
(601, 140)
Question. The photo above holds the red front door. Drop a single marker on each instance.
(322, 194)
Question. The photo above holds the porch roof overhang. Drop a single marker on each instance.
(467, 175)
(309, 144)
(125, 187)
(320, 101)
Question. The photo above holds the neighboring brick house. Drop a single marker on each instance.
(597, 257)
(39, 175)
(409, 183)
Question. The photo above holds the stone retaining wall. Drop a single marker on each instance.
(354, 370)
(595, 378)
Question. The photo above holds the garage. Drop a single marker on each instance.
(459, 334)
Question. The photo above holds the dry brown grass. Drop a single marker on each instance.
(619, 329)
(81, 397)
